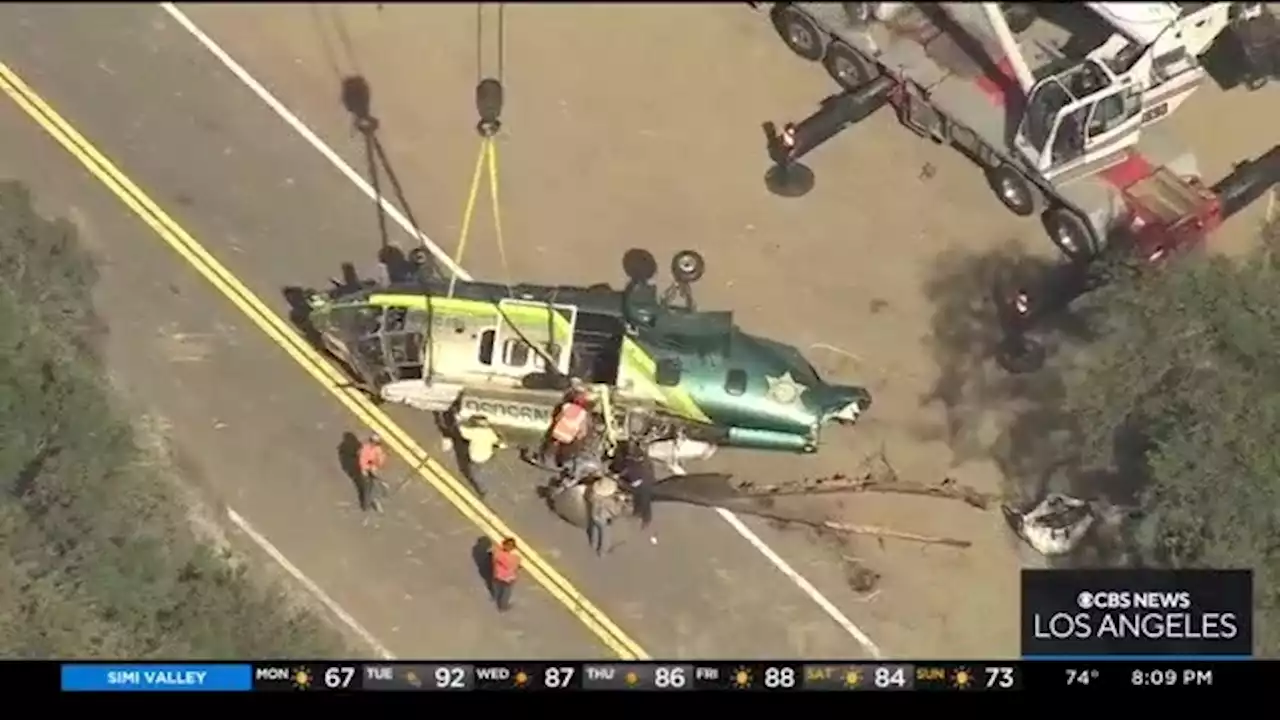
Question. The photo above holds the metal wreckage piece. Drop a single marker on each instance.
(719, 490)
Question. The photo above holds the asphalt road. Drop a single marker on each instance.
(638, 125)
(263, 435)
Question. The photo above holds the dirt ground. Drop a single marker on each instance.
(639, 126)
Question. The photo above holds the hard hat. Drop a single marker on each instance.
(604, 487)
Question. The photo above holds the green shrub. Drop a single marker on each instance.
(100, 559)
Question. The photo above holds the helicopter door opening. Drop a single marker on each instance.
(369, 361)
(597, 348)
(363, 352)
(549, 325)
(400, 348)
(404, 335)
(1078, 116)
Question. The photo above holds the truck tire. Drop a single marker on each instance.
(847, 67)
(1071, 233)
(1014, 190)
(799, 32)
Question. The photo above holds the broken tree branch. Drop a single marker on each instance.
(876, 475)
(898, 534)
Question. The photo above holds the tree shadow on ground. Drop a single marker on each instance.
(1022, 421)
(1034, 440)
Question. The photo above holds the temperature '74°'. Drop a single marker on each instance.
(1080, 677)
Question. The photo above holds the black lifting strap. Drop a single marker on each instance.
(489, 98)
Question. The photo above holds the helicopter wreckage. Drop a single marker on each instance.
(673, 380)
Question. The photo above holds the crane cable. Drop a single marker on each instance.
(489, 100)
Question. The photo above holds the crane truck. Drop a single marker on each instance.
(1068, 135)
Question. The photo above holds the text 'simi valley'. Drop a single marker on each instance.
(156, 677)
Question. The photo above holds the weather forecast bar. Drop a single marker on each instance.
(1078, 674)
(1075, 675)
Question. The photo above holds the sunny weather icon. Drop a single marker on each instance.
(301, 678)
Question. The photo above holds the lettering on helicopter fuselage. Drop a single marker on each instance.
(524, 413)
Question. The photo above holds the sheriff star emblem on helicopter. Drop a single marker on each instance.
(784, 389)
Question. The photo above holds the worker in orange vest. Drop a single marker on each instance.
(371, 459)
(506, 563)
(569, 426)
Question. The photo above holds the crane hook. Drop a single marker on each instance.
(489, 99)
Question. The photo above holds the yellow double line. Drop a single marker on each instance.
(310, 360)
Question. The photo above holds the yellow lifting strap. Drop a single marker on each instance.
(486, 160)
(489, 100)
(604, 395)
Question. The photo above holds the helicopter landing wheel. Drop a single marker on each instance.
(420, 257)
(688, 266)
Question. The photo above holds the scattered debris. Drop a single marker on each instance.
(876, 475)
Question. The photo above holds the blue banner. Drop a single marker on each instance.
(156, 678)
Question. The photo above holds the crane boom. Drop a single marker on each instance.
(1009, 44)
(1141, 23)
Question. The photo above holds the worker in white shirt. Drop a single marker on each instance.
(481, 441)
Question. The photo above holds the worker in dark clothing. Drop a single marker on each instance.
(600, 506)
(637, 471)
(506, 564)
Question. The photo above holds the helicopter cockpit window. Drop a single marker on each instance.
(369, 320)
(486, 347)
(370, 361)
(667, 373)
(395, 319)
(406, 348)
(370, 351)
(515, 353)
(735, 382)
